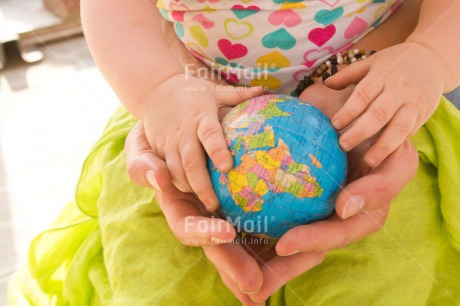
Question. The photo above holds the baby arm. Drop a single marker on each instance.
(399, 87)
(179, 112)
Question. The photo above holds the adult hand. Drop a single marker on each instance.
(361, 210)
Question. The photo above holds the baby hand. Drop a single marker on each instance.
(398, 90)
(181, 124)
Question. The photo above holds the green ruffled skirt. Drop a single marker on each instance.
(111, 245)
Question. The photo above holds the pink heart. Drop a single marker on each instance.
(178, 15)
(212, 1)
(331, 3)
(205, 22)
(356, 27)
(320, 36)
(288, 17)
(249, 8)
(231, 51)
(311, 56)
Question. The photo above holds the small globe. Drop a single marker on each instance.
(288, 166)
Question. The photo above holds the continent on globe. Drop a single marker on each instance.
(288, 166)
(273, 170)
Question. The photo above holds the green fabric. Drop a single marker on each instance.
(112, 244)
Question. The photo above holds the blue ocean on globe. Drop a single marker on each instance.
(288, 166)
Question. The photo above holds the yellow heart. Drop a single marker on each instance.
(267, 81)
(273, 60)
(237, 30)
(246, 1)
(197, 34)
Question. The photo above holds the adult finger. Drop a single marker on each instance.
(194, 165)
(333, 233)
(184, 217)
(234, 261)
(144, 167)
(280, 270)
(233, 287)
(381, 185)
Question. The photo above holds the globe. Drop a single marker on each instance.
(288, 166)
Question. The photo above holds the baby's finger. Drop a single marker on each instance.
(400, 128)
(350, 74)
(280, 270)
(363, 95)
(234, 261)
(178, 177)
(242, 297)
(211, 136)
(372, 121)
(186, 221)
(194, 164)
(233, 96)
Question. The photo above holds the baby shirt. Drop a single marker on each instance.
(272, 43)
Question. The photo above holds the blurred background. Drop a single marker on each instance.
(53, 106)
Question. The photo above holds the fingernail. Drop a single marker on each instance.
(150, 176)
(289, 254)
(335, 123)
(247, 292)
(345, 146)
(353, 206)
(211, 205)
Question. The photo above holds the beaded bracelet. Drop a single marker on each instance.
(344, 57)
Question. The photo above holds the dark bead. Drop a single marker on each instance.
(325, 76)
(373, 52)
(334, 60)
(334, 69)
(358, 56)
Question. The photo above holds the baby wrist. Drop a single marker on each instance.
(157, 94)
(436, 61)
